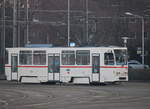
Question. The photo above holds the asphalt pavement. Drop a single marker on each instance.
(128, 95)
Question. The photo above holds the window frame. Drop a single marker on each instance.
(116, 56)
(41, 59)
(66, 52)
(88, 58)
(109, 58)
(31, 57)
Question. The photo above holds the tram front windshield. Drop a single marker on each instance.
(121, 57)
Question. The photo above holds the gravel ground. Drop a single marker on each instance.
(129, 95)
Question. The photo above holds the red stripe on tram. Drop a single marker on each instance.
(69, 66)
(90, 67)
(75, 66)
(111, 67)
(33, 66)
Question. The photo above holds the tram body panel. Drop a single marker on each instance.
(67, 64)
(33, 72)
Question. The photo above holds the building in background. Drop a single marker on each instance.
(45, 22)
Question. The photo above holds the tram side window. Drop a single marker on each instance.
(109, 59)
(83, 57)
(25, 57)
(39, 57)
(68, 57)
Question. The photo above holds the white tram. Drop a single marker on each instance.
(67, 64)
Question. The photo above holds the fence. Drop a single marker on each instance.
(139, 74)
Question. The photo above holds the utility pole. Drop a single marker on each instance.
(87, 22)
(143, 41)
(14, 24)
(27, 18)
(19, 23)
(3, 39)
(68, 23)
(4, 32)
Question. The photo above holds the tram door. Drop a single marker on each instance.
(96, 67)
(14, 68)
(54, 67)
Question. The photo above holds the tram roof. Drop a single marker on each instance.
(44, 47)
